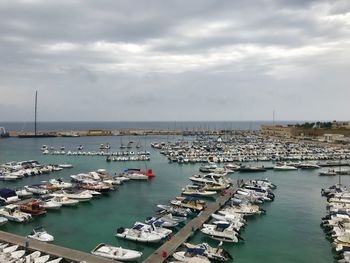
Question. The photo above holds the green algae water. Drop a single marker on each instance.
(289, 232)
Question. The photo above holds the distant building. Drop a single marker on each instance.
(340, 124)
(331, 137)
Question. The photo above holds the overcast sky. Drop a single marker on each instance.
(174, 60)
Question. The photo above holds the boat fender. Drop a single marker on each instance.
(120, 230)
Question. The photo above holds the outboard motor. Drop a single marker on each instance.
(120, 230)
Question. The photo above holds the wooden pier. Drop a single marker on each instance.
(169, 247)
(68, 254)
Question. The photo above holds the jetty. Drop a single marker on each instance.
(67, 254)
(169, 247)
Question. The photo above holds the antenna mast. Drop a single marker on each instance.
(36, 98)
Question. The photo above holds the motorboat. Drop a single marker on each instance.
(212, 253)
(33, 207)
(50, 205)
(193, 204)
(36, 189)
(64, 201)
(65, 165)
(139, 234)
(8, 196)
(11, 257)
(211, 178)
(221, 231)
(329, 172)
(40, 234)
(189, 256)
(284, 167)
(57, 260)
(81, 196)
(212, 187)
(252, 169)
(30, 258)
(245, 209)
(161, 222)
(56, 184)
(116, 253)
(96, 186)
(163, 232)
(12, 213)
(308, 165)
(9, 177)
(175, 210)
(192, 190)
(23, 193)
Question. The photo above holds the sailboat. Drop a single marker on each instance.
(36, 134)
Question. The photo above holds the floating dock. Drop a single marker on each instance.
(67, 254)
(169, 247)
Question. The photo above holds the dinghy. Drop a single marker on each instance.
(137, 233)
(116, 253)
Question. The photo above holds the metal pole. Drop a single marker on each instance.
(36, 98)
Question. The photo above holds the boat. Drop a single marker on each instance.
(12, 213)
(163, 232)
(222, 231)
(81, 196)
(137, 233)
(10, 257)
(65, 165)
(64, 201)
(329, 172)
(40, 234)
(8, 196)
(116, 253)
(50, 205)
(193, 204)
(212, 253)
(33, 207)
(36, 189)
(190, 256)
(23, 193)
(57, 260)
(56, 184)
(193, 190)
(137, 174)
(284, 167)
(174, 210)
(96, 186)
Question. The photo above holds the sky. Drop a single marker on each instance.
(174, 60)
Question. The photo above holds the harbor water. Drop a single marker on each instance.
(289, 232)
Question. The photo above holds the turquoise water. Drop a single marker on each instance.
(289, 232)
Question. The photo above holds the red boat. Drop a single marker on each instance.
(33, 208)
(149, 172)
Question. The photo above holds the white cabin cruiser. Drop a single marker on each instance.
(137, 233)
(12, 213)
(222, 231)
(40, 234)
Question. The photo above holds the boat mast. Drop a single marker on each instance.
(36, 99)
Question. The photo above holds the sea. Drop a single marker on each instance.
(288, 232)
(165, 125)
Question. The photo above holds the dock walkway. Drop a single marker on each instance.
(54, 250)
(170, 246)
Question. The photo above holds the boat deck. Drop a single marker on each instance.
(169, 247)
(68, 254)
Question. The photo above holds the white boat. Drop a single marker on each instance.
(8, 177)
(136, 176)
(284, 167)
(212, 253)
(188, 257)
(36, 189)
(65, 201)
(42, 259)
(329, 172)
(65, 165)
(40, 234)
(116, 253)
(12, 256)
(137, 233)
(213, 179)
(10, 249)
(244, 209)
(221, 231)
(49, 204)
(12, 213)
(196, 191)
(163, 232)
(60, 184)
(23, 193)
(30, 258)
(80, 196)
